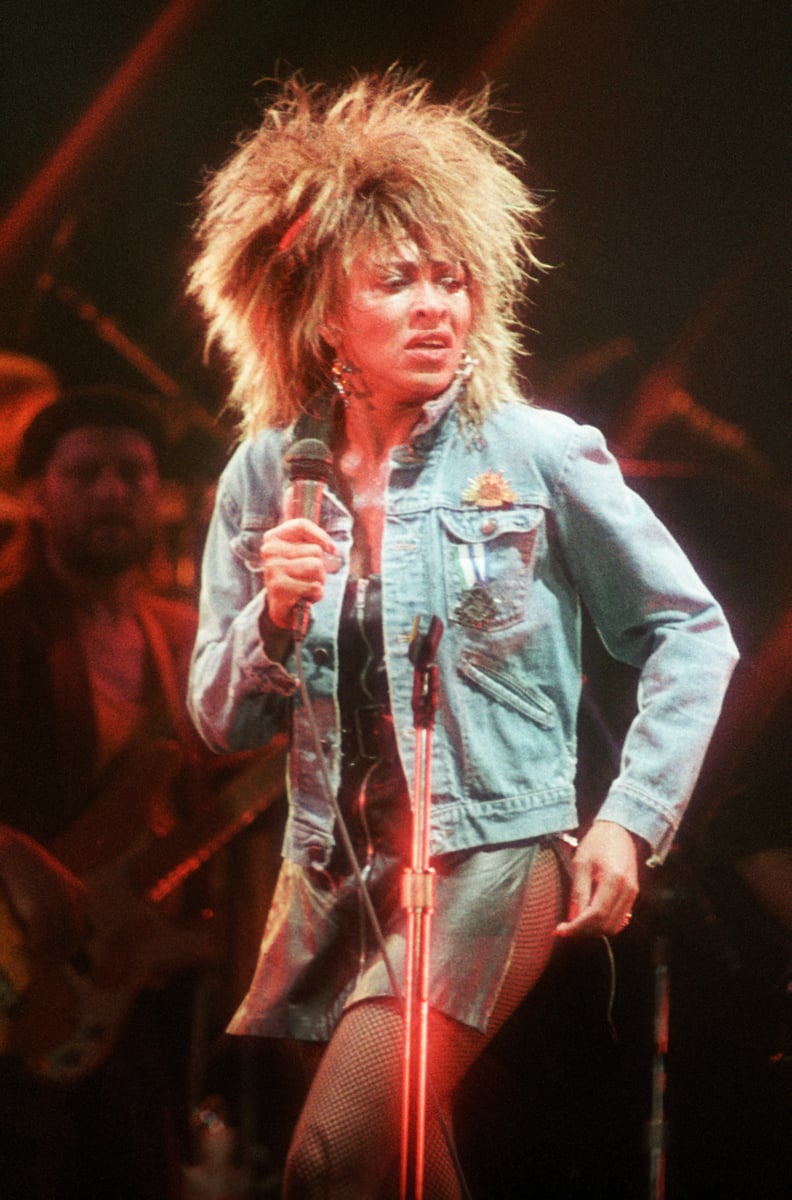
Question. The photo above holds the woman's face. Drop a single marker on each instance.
(402, 324)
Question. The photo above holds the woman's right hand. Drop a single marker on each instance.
(295, 558)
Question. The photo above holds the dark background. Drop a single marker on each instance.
(658, 132)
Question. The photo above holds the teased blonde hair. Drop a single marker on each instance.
(327, 174)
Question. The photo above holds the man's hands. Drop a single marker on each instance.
(604, 881)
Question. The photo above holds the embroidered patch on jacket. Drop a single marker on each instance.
(489, 490)
(477, 608)
(478, 605)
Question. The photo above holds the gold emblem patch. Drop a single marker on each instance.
(489, 490)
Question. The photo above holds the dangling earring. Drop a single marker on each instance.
(467, 366)
(338, 373)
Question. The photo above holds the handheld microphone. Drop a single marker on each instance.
(308, 464)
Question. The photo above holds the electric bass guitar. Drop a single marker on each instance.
(63, 1016)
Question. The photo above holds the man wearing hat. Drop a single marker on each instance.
(93, 680)
(95, 662)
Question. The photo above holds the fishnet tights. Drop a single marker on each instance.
(346, 1144)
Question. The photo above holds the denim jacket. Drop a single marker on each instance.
(501, 534)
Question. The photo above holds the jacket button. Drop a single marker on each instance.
(321, 656)
(489, 526)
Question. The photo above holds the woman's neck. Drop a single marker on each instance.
(363, 466)
(372, 432)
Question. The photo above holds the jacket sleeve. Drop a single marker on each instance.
(237, 696)
(652, 611)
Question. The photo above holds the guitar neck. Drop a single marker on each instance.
(162, 866)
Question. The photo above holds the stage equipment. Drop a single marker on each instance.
(418, 899)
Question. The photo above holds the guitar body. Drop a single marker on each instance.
(72, 1009)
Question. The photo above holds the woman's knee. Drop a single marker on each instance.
(307, 1173)
(322, 1165)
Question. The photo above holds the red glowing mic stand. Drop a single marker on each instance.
(418, 894)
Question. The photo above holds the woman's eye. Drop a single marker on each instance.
(452, 283)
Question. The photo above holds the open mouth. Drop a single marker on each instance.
(430, 342)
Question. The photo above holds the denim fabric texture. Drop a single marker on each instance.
(508, 582)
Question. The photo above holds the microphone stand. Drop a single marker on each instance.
(418, 897)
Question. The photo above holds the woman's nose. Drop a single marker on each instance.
(430, 299)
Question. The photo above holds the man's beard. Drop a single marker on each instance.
(107, 549)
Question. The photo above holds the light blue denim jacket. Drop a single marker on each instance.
(507, 582)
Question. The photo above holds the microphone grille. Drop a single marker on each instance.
(308, 458)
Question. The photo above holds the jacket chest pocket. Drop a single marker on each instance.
(489, 561)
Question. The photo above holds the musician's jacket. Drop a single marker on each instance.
(503, 535)
(48, 728)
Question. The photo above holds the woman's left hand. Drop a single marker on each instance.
(604, 881)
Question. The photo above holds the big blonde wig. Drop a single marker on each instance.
(328, 174)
